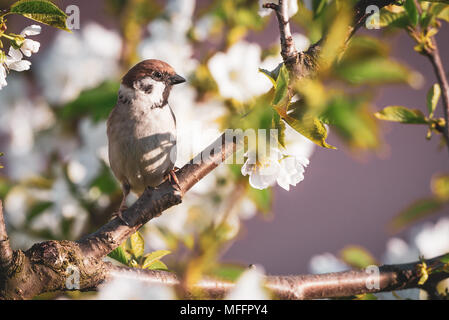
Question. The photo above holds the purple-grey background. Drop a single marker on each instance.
(344, 199)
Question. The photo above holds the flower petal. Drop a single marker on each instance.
(291, 172)
(3, 82)
(19, 66)
(247, 168)
(15, 54)
(256, 181)
(31, 30)
(30, 46)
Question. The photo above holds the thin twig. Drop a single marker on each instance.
(433, 54)
(435, 59)
(288, 49)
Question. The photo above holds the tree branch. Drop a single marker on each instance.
(288, 50)
(46, 266)
(156, 200)
(303, 64)
(6, 253)
(305, 287)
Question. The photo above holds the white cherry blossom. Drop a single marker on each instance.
(3, 82)
(236, 72)
(168, 38)
(12, 61)
(250, 286)
(285, 166)
(62, 70)
(28, 46)
(125, 286)
(32, 30)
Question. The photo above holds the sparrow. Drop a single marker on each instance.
(141, 129)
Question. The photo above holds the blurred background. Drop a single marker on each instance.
(56, 183)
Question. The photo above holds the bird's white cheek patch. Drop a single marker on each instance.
(156, 95)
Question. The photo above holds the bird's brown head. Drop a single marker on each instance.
(154, 78)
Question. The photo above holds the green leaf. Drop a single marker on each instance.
(120, 255)
(37, 209)
(444, 14)
(364, 47)
(441, 1)
(272, 75)
(157, 265)
(401, 114)
(437, 10)
(445, 259)
(137, 244)
(393, 19)
(376, 70)
(357, 257)
(353, 121)
(151, 258)
(281, 88)
(307, 124)
(262, 198)
(340, 17)
(134, 264)
(432, 99)
(440, 187)
(412, 11)
(227, 272)
(41, 11)
(318, 7)
(105, 181)
(279, 125)
(417, 210)
(5, 186)
(103, 97)
(366, 296)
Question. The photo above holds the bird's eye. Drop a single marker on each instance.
(157, 74)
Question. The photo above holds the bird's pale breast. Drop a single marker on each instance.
(142, 144)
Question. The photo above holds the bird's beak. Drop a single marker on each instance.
(176, 79)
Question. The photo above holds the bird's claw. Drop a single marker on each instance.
(119, 215)
(172, 175)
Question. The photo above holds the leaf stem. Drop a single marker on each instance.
(7, 36)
